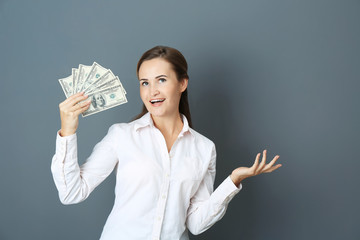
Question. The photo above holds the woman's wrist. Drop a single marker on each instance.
(236, 180)
(64, 133)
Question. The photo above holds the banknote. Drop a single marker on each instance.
(112, 83)
(82, 76)
(105, 99)
(104, 89)
(95, 73)
(105, 81)
(74, 73)
(106, 77)
(67, 85)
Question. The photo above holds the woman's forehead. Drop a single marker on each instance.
(153, 68)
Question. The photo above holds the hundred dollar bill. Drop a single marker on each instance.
(105, 99)
(67, 85)
(82, 76)
(121, 85)
(105, 81)
(112, 83)
(95, 73)
(74, 74)
(106, 77)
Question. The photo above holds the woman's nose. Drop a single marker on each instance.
(154, 91)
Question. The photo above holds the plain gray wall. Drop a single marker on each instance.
(281, 75)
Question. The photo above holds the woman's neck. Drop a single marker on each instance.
(169, 125)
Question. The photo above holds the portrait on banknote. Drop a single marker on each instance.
(98, 100)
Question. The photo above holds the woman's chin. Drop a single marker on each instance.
(157, 113)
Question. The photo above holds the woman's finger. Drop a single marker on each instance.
(71, 98)
(75, 100)
(262, 164)
(256, 163)
(270, 164)
(273, 168)
(79, 105)
(83, 108)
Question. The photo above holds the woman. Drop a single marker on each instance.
(165, 170)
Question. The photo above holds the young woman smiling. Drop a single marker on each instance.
(165, 170)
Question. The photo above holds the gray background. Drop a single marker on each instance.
(281, 75)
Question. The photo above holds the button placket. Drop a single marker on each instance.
(159, 217)
(166, 160)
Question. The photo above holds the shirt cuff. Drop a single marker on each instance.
(226, 190)
(66, 146)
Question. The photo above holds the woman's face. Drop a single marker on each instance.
(160, 89)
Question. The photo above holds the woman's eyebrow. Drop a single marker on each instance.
(145, 79)
(161, 76)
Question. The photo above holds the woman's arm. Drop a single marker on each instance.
(208, 207)
(74, 182)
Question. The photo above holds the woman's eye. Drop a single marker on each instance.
(162, 80)
(144, 83)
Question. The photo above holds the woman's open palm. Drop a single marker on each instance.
(257, 168)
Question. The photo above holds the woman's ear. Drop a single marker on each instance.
(183, 84)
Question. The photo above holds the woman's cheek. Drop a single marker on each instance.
(142, 94)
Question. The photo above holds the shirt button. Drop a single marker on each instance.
(159, 218)
(167, 175)
(163, 196)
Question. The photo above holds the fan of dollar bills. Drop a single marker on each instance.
(100, 84)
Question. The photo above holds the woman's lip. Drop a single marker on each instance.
(157, 104)
(160, 99)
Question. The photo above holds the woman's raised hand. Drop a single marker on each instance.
(69, 112)
(257, 168)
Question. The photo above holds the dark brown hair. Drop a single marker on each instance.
(180, 67)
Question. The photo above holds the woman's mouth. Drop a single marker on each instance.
(157, 102)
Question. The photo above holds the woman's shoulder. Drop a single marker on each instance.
(129, 127)
(121, 127)
(201, 139)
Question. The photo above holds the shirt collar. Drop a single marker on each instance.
(146, 121)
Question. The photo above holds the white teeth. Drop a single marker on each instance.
(157, 100)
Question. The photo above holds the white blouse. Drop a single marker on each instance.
(158, 194)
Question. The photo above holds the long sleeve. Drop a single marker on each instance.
(208, 207)
(74, 182)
